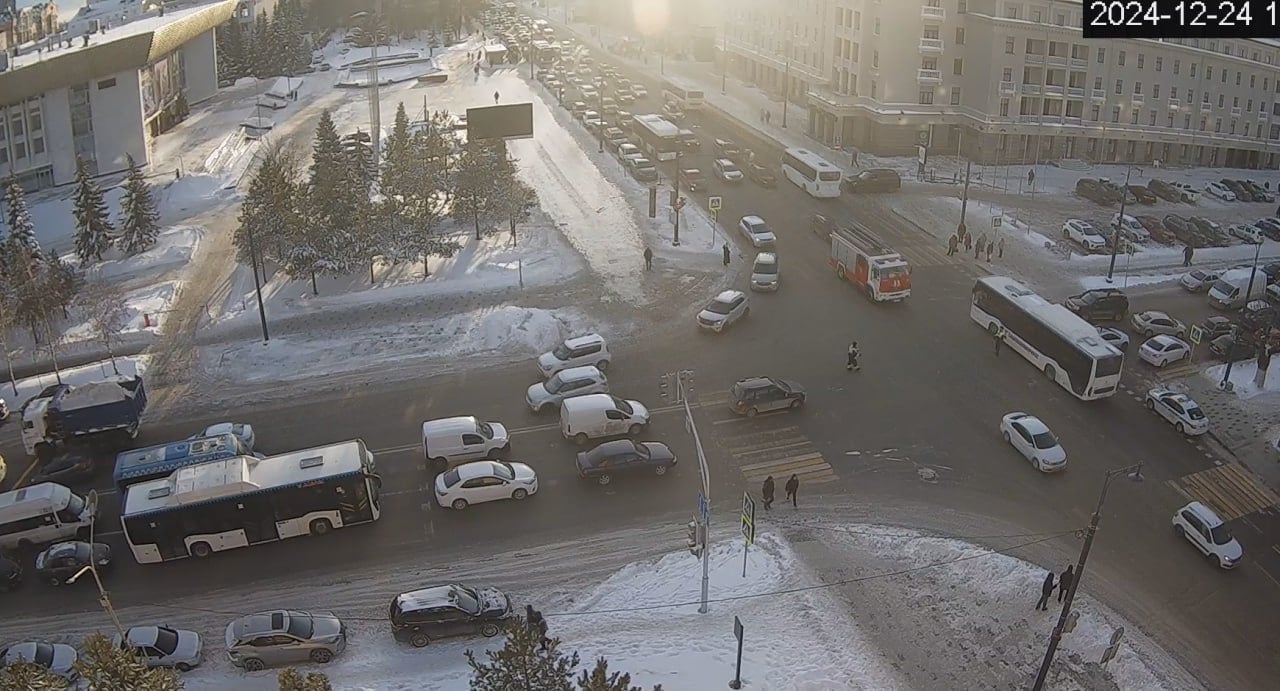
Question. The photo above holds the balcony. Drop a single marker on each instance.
(1034, 58)
(1098, 94)
(1054, 90)
(1030, 88)
(930, 45)
(929, 76)
(1075, 92)
(1138, 98)
(933, 14)
(1006, 87)
(1235, 112)
(1079, 63)
(1263, 117)
(1058, 60)
(1174, 104)
(1205, 106)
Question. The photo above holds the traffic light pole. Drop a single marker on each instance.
(699, 538)
(675, 206)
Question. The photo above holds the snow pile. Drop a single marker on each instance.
(508, 331)
(174, 248)
(1242, 376)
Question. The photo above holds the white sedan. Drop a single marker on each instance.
(1084, 233)
(1161, 350)
(1179, 409)
(1152, 322)
(161, 646)
(482, 481)
(1220, 191)
(242, 430)
(1200, 280)
(1034, 441)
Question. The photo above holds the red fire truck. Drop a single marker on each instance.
(861, 258)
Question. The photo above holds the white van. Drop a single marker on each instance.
(40, 514)
(453, 440)
(1229, 291)
(601, 415)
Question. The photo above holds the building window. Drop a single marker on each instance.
(106, 83)
(1155, 91)
(1102, 55)
(877, 27)
(1186, 121)
(1173, 93)
(1237, 79)
(1137, 88)
(1095, 113)
(926, 97)
(1004, 107)
(1008, 45)
(1079, 52)
(1142, 59)
(1222, 100)
(1235, 101)
(1005, 76)
(1170, 121)
(19, 150)
(1153, 119)
(1011, 12)
(37, 146)
(36, 121)
(1246, 129)
(1120, 60)
(1035, 14)
(1133, 117)
(1115, 113)
(957, 66)
(960, 36)
(1119, 86)
(1253, 81)
(1097, 83)
(962, 6)
(857, 21)
(875, 58)
(955, 96)
(5, 135)
(4, 155)
(1208, 72)
(1231, 127)
(17, 127)
(1217, 125)
(1177, 66)
(1159, 63)
(1193, 70)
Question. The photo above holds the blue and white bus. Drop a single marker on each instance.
(659, 138)
(154, 462)
(236, 502)
(811, 173)
(1066, 348)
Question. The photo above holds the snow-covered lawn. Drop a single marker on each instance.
(872, 607)
(1242, 376)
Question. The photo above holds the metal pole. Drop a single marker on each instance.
(600, 112)
(705, 471)
(724, 50)
(257, 283)
(375, 112)
(1056, 637)
(964, 196)
(1115, 227)
(786, 85)
(675, 204)
(103, 599)
(1226, 374)
(1044, 82)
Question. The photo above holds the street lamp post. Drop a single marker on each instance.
(675, 203)
(1134, 473)
(1225, 384)
(724, 50)
(786, 84)
(257, 283)
(1115, 227)
(92, 567)
(600, 113)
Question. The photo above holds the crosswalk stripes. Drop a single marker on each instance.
(1178, 371)
(777, 451)
(1231, 490)
(929, 255)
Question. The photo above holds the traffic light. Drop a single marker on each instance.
(694, 538)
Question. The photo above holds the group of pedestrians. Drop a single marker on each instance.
(792, 488)
(983, 243)
(1065, 579)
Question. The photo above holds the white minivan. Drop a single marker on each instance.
(452, 440)
(601, 415)
(1229, 291)
(40, 514)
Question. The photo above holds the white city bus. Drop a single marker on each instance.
(811, 173)
(236, 502)
(659, 138)
(1065, 347)
(684, 96)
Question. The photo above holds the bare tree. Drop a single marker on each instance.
(104, 305)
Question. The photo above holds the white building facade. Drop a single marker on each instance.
(1007, 80)
(105, 101)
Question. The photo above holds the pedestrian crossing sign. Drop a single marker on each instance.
(995, 221)
(714, 203)
(1196, 333)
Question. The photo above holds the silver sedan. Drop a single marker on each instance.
(1152, 322)
(162, 646)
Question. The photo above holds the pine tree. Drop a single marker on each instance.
(61, 283)
(93, 225)
(522, 664)
(139, 220)
(292, 680)
(263, 58)
(600, 679)
(332, 204)
(515, 199)
(475, 189)
(22, 232)
(106, 666)
(271, 211)
(397, 161)
(428, 195)
(29, 677)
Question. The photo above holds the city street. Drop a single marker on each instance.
(917, 427)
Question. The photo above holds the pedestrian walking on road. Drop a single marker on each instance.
(999, 339)
(982, 243)
(953, 242)
(1046, 590)
(495, 96)
(766, 492)
(1187, 254)
(1000, 248)
(648, 259)
(991, 247)
(725, 248)
(968, 242)
(792, 487)
(768, 117)
(1065, 580)
(851, 363)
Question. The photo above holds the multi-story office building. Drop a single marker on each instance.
(1009, 80)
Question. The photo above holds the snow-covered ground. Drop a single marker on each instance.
(909, 611)
(1242, 377)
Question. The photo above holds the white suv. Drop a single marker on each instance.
(1204, 530)
(1084, 233)
(590, 349)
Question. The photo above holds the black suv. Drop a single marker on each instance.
(445, 611)
(1094, 191)
(763, 394)
(1100, 304)
(874, 180)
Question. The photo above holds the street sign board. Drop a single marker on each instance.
(737, 628)
(714, 203)
(748, 518)
(703, 508)
(995, 221)
(1197, 333)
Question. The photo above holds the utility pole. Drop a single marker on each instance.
(1226, 384)
(786, 83)
(375, 107)
(1115, 227)
(257, 283)
(600, 113)
(1056, 637)
(675, 202)
(961, 230)
(724, 49)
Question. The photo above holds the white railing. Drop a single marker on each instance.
(1099, 95)
(1235, 112)
(931, 45)
(1057, 61)
(1030, 88)
(929, 75)
(1139, 98)
(1035, 57)
(1055, 89)
(1075, 92)
(1079, 63)
(1175, 104)
(1006, 87)
(936, 14)
(1204, 106)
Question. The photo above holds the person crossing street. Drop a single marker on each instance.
(766, 492)
(851, 362)
(792, 487)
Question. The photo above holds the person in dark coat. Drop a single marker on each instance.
(953, 243)
(725, 248)
(991, 247)
(1187, 254)
(1046, 591)
(982, 244)
(968, 241)
(851, 363)
(648, 259)
(792, 487)
(767, 492)
(1065, 580)
(1000, 248)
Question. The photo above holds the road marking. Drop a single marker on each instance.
(108, 533)
(929, 255)
(799, 460)
(1230, 489)
(779, 452)
(1177, 371)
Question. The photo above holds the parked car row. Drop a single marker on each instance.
(1231, 190)
(1106, 193)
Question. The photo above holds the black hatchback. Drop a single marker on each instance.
(60, 562)
(763, 394)
(445, 611)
